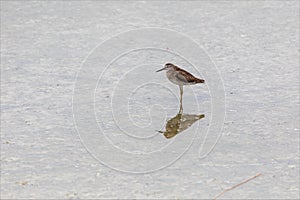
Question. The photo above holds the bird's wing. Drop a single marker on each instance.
(184, 76)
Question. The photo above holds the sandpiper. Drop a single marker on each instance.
(180, 77)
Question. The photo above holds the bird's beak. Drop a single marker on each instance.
(161, 69)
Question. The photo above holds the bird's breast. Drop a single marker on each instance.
(171, 75)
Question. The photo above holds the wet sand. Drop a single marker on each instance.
(254, 45)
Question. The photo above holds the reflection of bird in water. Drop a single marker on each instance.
(180, 77)
(180, 123)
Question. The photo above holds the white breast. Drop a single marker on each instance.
(171, 75)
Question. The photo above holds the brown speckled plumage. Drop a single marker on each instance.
(187, 77)
(180, 77)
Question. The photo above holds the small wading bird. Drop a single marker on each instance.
(180, 77)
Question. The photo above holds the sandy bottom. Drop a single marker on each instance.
(47, 151)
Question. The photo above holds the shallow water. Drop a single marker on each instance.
(44, 45)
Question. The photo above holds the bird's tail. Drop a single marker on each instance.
(200, 81)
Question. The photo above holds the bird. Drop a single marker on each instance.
(180, 77)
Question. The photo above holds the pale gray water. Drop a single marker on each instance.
(255, 46)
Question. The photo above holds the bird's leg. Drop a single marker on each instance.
(181, 92)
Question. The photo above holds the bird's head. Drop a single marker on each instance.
(166, 67)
